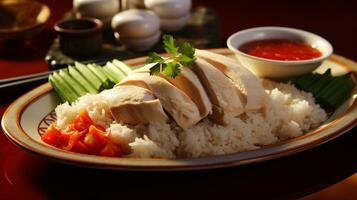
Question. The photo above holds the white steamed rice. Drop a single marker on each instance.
(288, 113)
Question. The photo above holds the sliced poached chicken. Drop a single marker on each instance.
(134, 105)
(223, 93)
(181, 108)
(189, 83)
(247, 82)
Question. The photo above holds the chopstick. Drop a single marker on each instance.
(19, 78)
(23, 81)
(32, 79)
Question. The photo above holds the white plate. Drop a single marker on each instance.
(29, 116)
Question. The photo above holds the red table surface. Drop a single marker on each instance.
(325, 172)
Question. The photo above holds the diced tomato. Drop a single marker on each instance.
(111, 150)
(55, 137)
(95, 139)
(80, 147)
(99, 127)
(82, 136)
(82, 121)
(75, 136)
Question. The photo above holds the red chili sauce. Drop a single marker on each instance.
(277, 49)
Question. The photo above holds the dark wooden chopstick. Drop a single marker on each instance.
(19, 78)
(20, 82)
(32, 79)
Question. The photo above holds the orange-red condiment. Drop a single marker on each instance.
(280, 50)
(82, 136)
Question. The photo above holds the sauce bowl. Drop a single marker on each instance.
(278, 69)
(80, 37)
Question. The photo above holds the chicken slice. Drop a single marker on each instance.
(189, 83)
(181, 108)
(223, 93)
(248, 83)
(134, 105)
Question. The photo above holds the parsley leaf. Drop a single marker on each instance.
(156, 69)
(154, 57)
(185, 60)
(180, 55)
(187, 53)
(172, 69)
(186, 49)
(170, 44)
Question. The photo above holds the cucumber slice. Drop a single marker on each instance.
(72, 82)
(58, 91)
(65, 90)
(97, 72)
(105, 73)
(122, 66)
(115, 71)
(305, 81)
(110, 74)
(88, 75)
(102, 72)
(321, 82)
(330, 92)
(331, 88)
(107, 83)
(339, 96)
(80, 79)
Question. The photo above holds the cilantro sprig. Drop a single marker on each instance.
(180, 55)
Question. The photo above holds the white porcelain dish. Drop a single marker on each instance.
(169, 8)
(100, 9)
(172, 25)
(278, 68)
(141, 44)
(136, 23)
(28, 117)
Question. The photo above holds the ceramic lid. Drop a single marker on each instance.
(169, 8)
(136, 23)
(96, 8)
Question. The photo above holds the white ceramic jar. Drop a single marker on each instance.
(174, 14)
(169, 8)
(174, 24)
(136, 28)
(100, 9)
(130, 4)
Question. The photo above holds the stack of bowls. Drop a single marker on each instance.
(173, 14)
(130, 4)
(103, 10)
(138, 29)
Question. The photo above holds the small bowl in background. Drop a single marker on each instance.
(141, 44)
(103, 10)
(20, 19)
(137, 29)
(279, 69)
(174, 24)
(80, 37)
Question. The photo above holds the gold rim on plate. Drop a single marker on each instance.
(12, 126)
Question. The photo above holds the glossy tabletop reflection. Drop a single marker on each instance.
(325, 172)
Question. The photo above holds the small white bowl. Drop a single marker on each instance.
(174, 24)
(136, 23)
(279, 69)
(100, 9)
(140, 44)
(169, 8)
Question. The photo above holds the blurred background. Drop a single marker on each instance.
(334, 20)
